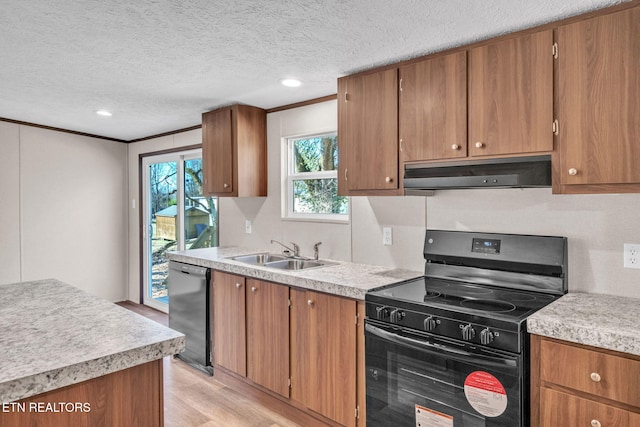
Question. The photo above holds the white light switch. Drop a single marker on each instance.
(247, 226)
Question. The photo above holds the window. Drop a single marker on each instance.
(312, 179)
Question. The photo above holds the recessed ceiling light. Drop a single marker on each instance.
(104, 113)
(291, 82)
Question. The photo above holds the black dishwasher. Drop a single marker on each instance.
(189, 312)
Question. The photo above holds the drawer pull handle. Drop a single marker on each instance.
(595, 377)
(253, 289)
(238, 285)
(596, 423)
(310, 302)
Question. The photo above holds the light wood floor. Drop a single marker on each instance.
(194, 399)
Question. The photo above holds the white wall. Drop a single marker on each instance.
(10, 198)
(71, 195)
(596, 225)
(360, 240)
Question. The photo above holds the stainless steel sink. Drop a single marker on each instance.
(294, 264)
(279, 261)
(259, 259)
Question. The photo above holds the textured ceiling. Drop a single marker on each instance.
(158, 64)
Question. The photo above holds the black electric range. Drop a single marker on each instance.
(462, 325)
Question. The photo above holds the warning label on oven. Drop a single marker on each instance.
(426, 417)
(485, 394)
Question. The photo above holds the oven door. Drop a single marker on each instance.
(415, 379)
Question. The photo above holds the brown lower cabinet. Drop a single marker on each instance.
(268, 335)
(323, 350)
(229, 322)
(574, 385)
(131, 397)
(302, 348)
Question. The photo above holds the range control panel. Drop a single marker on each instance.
(471, 332)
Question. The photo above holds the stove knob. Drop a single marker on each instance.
(468, 333)
(430, 323)
(397, 315)
(486, 336)
(382, 313)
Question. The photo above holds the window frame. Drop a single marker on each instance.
(289, 176)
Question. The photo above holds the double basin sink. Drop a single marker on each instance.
(279, 261)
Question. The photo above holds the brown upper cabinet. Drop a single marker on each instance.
(234, 151)
(433, 108)
(511, 96)
(368, 134)
(599, 105)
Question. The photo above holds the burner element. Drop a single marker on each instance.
(517, 296)
(431, 294)
(488, 305)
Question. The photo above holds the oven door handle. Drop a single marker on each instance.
(435, 348)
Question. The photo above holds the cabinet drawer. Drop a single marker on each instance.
(561, 409)
(590, 371)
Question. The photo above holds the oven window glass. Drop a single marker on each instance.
(411, 376)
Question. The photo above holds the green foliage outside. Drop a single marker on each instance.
(317, 195)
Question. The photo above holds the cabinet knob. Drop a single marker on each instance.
(479, 144)
(388, 179)
(596, 423)
(573, 171)
(455, 147)
(238, 285)
(253, 289)
(595, 377)
(225, 185)
(310, 302)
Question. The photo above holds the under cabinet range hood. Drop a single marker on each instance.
(516, 172)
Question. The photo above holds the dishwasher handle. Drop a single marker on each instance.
(188, 269)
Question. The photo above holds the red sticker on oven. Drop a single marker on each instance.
(485, 394)
(426, 417)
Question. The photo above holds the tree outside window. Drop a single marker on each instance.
(313, 179)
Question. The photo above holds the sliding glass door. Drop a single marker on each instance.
(176, 216)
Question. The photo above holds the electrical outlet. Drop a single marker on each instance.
(631, 255)
(387, 236)
(247, 226)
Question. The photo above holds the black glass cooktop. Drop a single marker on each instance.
(466, 297)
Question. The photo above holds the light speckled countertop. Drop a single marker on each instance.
(605, 321)
(342, 278)
(53, 335)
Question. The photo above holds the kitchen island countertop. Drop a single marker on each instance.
(53, 335)
(341, 278)
(605, 321)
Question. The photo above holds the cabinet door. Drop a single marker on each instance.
(368, 132)
(599, 100)
(229, 331)
(268, 335)
(511, 96)
(217, 151)
(574, 367)
(561, 409)
(323, 354)
(433, 108)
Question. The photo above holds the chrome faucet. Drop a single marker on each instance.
(295, 250)
(315, 250)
